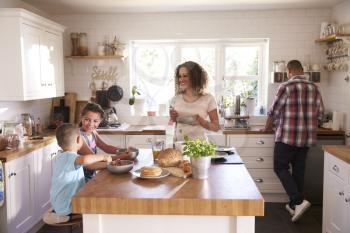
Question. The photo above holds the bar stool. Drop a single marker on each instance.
(50, 219)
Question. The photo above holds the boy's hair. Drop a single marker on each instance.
(92, 107)
(66, 135)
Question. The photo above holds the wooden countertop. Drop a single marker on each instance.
(257, 130)
(137, 130)
(27, 147)
(229, 191)
(341, 152)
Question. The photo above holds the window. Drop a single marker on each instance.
(234, 68)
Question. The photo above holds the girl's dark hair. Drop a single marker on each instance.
(92, 107)
(198, 76)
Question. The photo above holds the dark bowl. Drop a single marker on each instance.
(133, 152)
(120, 166)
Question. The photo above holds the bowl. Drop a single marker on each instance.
(120, 166)
(133, 152)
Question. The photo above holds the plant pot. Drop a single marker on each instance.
(138, 108)
(200, 167)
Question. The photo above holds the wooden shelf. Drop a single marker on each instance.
(95, 57)
(331, 38)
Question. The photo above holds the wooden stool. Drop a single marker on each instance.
(71, 223)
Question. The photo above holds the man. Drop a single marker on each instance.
(295, 111)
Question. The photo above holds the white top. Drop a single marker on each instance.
(201, 107)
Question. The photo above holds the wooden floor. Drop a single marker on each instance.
(276, 220)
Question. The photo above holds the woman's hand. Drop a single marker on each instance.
(173, 114)
(124, 155)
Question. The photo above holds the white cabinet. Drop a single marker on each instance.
(31, 56)
(142, 141)
(28, 183)
(256, 151)
(43, 172)
(336, 195)
(20, 194)
(114, 140)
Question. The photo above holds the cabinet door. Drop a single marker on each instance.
(52, 64)
(337, 207)
(142, 141)
(31, 40)
(115, 140)
(43, 168)
(20, 194)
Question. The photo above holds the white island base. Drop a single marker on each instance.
(111, 223)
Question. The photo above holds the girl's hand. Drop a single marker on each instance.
(173, 114)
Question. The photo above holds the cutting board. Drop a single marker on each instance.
(80, 104)
(70, 99)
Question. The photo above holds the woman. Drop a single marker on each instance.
(193, 110)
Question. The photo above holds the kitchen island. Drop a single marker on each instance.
(226, 202)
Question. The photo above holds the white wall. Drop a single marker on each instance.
(291, 33)
(12, 110)
(338, 90)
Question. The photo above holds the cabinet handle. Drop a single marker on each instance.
(259, 180)
(12, 174)
(347, 200)
(260, 142)
(335, 168)
(260, 159)
(341, 193)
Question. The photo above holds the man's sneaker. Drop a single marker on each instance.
(300, 210)
(289, 209)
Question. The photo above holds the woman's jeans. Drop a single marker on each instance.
(292, 181)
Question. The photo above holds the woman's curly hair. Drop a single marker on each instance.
(198, 77)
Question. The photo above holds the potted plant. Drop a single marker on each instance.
(199, 152)
(134, 92)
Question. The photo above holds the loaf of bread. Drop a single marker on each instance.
(169, 158)
(151, 171)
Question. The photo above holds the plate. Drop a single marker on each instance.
(137, 173)
(219, 155)
(224, 149)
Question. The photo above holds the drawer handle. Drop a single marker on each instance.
(259, 180)
(260, 142)
(341, 193)
(335, 168)
(260, 159)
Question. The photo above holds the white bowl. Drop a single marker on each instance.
(120, 166)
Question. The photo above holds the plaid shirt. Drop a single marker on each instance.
(296, 108)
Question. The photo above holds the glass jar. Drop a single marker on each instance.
(83, 44)
(27, 123)
(75, 43)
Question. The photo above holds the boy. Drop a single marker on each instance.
(68, 174)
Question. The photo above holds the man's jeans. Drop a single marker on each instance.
(284, 155)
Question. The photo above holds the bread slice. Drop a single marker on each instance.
(151, 171)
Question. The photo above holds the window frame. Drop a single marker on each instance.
(219, 45)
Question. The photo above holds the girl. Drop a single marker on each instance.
(91, 116)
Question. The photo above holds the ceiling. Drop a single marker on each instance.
(115, 6)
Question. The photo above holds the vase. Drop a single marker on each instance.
(200, 167)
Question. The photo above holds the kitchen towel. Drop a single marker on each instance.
(337, 120)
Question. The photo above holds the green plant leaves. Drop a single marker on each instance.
(198, 148)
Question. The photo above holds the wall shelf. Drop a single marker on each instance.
(334, 37)
(95, 57)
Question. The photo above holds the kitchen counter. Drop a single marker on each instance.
(229, 193)
(136, 130)
(27, 147)
(341, 152)
(257, 130)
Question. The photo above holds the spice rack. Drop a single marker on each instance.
(280, 77)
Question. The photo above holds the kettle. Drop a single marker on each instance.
(111, 117)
